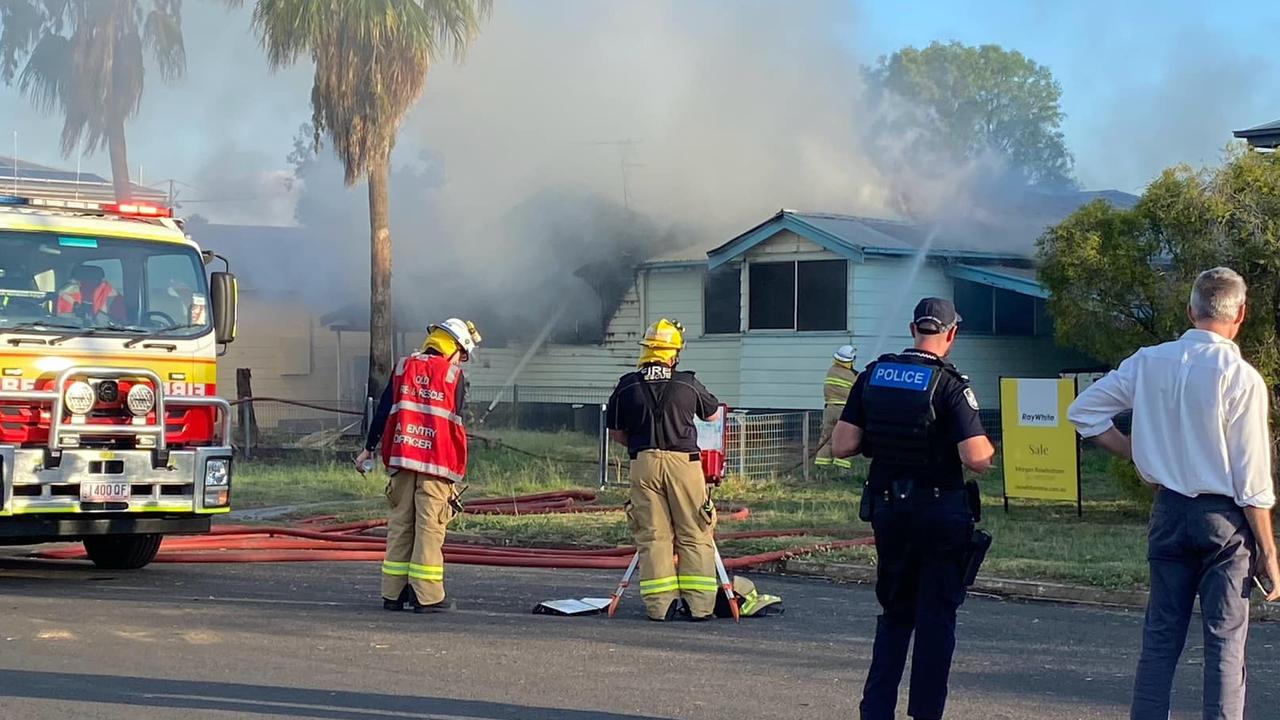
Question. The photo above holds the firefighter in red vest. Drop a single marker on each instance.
(90, 296)
(424, 448)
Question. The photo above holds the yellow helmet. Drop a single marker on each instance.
(664, 335)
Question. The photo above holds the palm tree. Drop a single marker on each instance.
(371, 61)
(84, 59)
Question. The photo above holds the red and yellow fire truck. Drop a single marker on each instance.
(110, 429)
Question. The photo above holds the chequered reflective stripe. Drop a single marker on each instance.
(659, 585)
(398, 569)
(698, 583)
(426, 572)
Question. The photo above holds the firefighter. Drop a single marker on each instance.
(917, 419)
(835, 392)
(424, 448)
(89, 295)
(652, 413)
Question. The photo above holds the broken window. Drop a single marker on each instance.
(722, 300)
(996, 311)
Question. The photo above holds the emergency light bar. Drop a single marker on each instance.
(138, 210)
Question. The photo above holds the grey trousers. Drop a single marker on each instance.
(1196, 546)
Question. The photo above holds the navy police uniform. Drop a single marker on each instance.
(913, 409)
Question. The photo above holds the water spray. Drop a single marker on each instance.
(904, 290)
(533, 348)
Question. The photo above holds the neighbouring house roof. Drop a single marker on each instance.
(1262, 136)
(1008, 232)
(44, 181)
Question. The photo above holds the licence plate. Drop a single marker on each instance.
(104, 492)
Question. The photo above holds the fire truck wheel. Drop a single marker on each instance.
(122, 552)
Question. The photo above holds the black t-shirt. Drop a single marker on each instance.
(957, 419)
(680, 397)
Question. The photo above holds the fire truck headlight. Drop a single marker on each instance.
(79, 398)
(217, 482)
(141, 399)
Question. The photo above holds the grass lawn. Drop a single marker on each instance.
(1035, 540)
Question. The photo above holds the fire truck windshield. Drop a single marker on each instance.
(94, 285)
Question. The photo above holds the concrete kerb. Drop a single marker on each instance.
(1013, 589)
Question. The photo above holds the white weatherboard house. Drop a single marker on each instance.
(764, 311)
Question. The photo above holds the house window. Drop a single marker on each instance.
(996, 311)
(722, 300)
(808, 295)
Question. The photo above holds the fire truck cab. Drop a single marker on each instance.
(110, 429)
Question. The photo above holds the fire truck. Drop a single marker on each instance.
(111, 433)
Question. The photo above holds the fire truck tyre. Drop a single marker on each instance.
(122, 552)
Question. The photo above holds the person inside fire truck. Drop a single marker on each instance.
(90, 296)
(424, 448)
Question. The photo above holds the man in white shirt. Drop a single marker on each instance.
(1200, 436)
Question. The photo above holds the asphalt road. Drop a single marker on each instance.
(311, 641)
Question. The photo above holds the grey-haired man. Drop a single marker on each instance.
(1200, 436)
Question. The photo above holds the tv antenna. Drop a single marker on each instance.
(625, 148)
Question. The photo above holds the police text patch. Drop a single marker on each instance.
(902, 376)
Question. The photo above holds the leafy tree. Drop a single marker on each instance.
(974, 100)
(1120, 279)
(84, 59)
(371, 61)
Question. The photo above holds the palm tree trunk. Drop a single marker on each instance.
(119, 160)
(380, 310)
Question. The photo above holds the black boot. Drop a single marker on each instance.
(677, 610)
(406, 595)
(443, 606)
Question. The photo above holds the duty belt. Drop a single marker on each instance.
(693, 457)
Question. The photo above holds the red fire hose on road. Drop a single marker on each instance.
(318, 539)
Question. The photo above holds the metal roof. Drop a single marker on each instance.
(44, 181)
(1021, 280)
(1263, 136)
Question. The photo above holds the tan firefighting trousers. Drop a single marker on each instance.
(824, 457)
(670, 514)
(419, 513)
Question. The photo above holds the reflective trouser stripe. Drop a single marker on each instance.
(839, 383)
(395, 568)
(698, 582)
(823, 461)
(426, 572)
(659, 585)
(843, 463)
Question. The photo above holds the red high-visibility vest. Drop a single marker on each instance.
(424, 431)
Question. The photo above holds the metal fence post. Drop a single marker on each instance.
(246, 428)
(515, 407)
(804, 456)
(742, 445)
(604, 447)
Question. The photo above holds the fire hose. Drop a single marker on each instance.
(320, 539)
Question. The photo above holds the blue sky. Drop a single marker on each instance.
(1145, 85)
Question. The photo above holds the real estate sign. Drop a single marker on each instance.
(1041, 452)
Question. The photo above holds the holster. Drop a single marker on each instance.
(867, 508)
(974, 495)
(979, 544)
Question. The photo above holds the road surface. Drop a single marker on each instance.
(305, 641)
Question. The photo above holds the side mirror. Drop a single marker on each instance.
(225, 292)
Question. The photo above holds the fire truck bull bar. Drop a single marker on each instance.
(30, 468)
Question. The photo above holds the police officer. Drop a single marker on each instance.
(424, 448)
(917, 419)
(652, 412)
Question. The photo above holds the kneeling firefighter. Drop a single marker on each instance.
(419, 418)
(652, 413)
